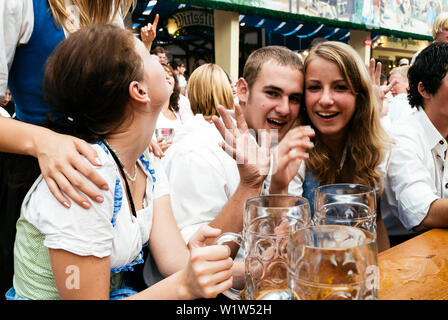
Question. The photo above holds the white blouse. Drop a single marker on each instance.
(106, 229)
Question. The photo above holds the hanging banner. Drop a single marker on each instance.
(410, 16)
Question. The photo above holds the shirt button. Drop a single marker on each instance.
(441, 141)
(446, 186)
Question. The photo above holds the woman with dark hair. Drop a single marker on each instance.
(111, 90)
(179, 70)
(30, 31)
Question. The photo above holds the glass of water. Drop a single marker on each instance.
(345, 204)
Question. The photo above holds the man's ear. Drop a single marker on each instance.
(421, 89)
(138, 92)
(242, 89)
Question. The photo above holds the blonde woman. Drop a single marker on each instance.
(350, 145)
(195, 147)
(207, 87)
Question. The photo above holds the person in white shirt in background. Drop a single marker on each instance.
(175, 111)
(416, 185)
(399, 105)
(202, 176)
(179, 70)
(207, 186)
(439, 31)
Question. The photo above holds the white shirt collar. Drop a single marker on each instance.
(432, 136)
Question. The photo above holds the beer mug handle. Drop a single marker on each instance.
(232, 293)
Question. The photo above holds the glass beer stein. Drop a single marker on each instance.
(333, 262)
(268, 222)
(345, 204)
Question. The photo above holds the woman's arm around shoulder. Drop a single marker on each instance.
(60, 159)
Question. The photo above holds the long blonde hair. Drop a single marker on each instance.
(366, 139)
(207, 87)
(90, 11)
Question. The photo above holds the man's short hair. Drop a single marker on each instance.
(282, 55)
(439, 24)
(429, 68)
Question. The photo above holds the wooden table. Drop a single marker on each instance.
(416, 269)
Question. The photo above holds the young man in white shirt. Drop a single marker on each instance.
(417, 182)
(206, 184)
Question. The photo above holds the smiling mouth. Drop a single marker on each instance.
(327, 115)
(276, 123)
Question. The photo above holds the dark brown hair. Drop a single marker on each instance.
(87, 79)
(174, 98)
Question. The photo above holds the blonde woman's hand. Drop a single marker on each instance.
(63, 167)
(253, 159)
(209, 269)
(149, 32)
(288, 156)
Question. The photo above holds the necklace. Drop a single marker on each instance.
(125, 171)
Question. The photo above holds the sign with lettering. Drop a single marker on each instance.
(189, 18)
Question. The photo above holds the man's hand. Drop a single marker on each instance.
(253, 160)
